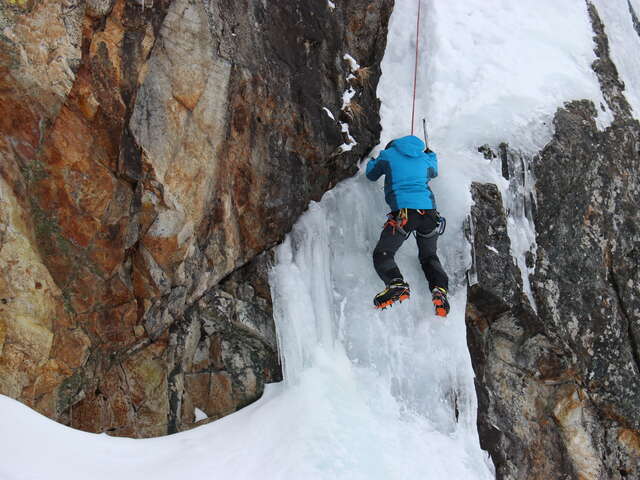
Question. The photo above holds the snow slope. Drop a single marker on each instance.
(624, 43)
(374, 395)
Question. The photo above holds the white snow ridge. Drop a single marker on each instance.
(374, 395)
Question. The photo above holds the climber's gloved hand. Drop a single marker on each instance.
(428, 150)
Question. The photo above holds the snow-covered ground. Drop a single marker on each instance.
(367, 394)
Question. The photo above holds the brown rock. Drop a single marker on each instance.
(3, 328)
(146, 376)
(146, 154)
(26, 307)
(71, 347)
(631, 440)
(198, 386)
(221, 401)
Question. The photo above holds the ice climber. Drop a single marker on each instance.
(408, 166)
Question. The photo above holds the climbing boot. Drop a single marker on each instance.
(396, 291)
(440, 301)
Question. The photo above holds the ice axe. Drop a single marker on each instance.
(424, 128)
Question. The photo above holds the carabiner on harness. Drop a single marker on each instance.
(398, 221)
(441, 225)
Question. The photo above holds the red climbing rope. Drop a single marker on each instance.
(415, 69)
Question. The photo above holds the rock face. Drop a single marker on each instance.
(151, 153)
(558, 378)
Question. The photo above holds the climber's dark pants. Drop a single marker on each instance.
(391, 239)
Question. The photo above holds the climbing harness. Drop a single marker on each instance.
(398, 220)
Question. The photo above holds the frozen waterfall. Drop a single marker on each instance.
(374, 395)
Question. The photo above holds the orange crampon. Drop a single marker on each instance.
(396, 291)
(440, 301)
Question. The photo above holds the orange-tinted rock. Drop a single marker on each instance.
(112, 392)
(114, 293)
(221, 401)
(146, 153)
(53, 372)
(83, 286)
(631, 440)
(198, 386)
(90, 413)
(71, 347)
(29, 300)
(3, 326)
(216, 353)
(145, 372)
(211, 392)
(107, 249)
(105, 407)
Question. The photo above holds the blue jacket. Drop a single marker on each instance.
(407, 170)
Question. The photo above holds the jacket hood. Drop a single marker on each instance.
(410, 145)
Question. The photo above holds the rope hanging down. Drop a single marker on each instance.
(415, 69)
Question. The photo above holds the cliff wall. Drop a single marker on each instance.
(152, 152)
(558, 371)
